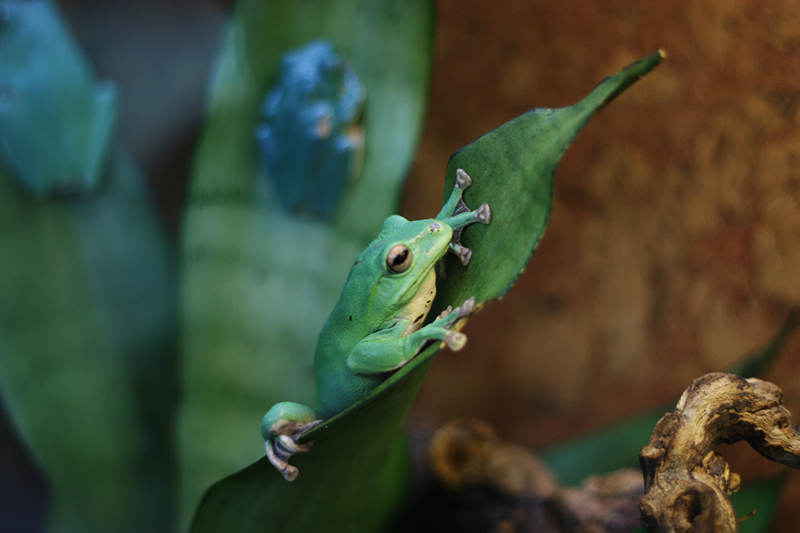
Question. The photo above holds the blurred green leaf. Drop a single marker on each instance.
(87, 294)
(87, 322)
(756, 363)
(760, 496)
(342, 482)
(618, 446)
(259, 283)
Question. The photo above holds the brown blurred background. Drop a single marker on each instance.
(674, 244)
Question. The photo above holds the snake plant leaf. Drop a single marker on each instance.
(87, 321)
(258, 281)
(343, 482)
(56, 120)
(618, 446)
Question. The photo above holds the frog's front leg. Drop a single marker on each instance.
(457, 215)
(281, 427)
(384, 350)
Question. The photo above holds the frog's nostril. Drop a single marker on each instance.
(435, 227)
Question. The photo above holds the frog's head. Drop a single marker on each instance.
(402, 259)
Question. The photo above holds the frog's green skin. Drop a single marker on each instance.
(377, 324)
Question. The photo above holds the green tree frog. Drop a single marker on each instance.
(310, 138)
(377, 326)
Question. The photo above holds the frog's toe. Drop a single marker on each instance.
(483, 214)
(278, 458)
(445, 312)
(463, 253)
(466, 308)
(463, 181)
(288, 446)
(455, 340)
(281, 443)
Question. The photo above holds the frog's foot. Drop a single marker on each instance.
(448, 318)
(281, 443)
(458, 215)
(462, 311)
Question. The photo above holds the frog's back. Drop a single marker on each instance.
(337, 386)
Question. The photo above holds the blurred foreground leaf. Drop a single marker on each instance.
(87, 322)
(345, 482)
(87, 315)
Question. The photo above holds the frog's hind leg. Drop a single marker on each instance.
(458, 215)
(283, 424)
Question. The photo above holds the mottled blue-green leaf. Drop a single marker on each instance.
(56, 120)
(352, 447)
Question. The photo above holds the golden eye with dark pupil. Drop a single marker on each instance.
(399, 259)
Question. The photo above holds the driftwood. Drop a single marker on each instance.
(471, 480)
(686, 482)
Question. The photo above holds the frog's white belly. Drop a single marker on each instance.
(417, 309)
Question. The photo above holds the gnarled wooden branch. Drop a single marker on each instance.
(494, 485)
(686, 482)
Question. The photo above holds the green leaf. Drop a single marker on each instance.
(754, 364)
(618, 446)
(87, 293)
(760, 497)
(512, 170)
(87, 324)
(343, 479)
(259, 283)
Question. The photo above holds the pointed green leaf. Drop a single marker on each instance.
(512, 170)
(754, 364)
(343, 480)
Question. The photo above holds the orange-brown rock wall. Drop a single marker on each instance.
(674, 244)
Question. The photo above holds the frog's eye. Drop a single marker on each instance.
(399, 259)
